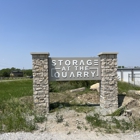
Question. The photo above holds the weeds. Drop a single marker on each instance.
(40, 119)
(59, 118)
(118, 112)
(124, 87)
(63, 86)
(16, 104)
(66, 124)
(16, 107)
(136, 124)
(122, 125)
(13, 117)
(82, 108)
(86, 128)
(95, 121)
(111, 126)
(79, 127)
(69, 133)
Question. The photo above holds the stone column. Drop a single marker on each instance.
(108, 85)
(40, 83)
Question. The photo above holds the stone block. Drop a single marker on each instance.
(38, 89)
(36, 101)
(44, 105)
(95, 87)
(35, 92)
(41, 100)
(41, 93)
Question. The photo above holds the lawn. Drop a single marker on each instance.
(16, 89)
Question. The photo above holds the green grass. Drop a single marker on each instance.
(63, 86)
(111, 126)
(16, 89)
(16, 105)
(82, 109)
(118, 112)
(124, 87)
(22, 88)
(13, 115)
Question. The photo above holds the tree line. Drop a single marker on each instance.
(6, 72)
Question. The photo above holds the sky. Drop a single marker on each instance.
(68, 28)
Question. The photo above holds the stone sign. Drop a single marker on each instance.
(66, 69)
(102, 68)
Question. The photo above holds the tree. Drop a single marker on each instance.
(5, 72)
(120, 66)
(27, 72)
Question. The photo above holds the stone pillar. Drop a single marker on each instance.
(40, 83)
(108, 86)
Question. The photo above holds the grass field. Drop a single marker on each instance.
(124, 87)
(16, 102)
(17, 89)
(20, 88)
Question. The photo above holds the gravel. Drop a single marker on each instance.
(73, 136)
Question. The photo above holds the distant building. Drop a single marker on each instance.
(16, 74)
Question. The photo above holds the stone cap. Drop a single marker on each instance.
(107, 53)
(38, 53)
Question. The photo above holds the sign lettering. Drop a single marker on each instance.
(66, 69)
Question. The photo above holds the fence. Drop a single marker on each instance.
(136, 79)
(130, 75)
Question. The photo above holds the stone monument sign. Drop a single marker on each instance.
(102, 68)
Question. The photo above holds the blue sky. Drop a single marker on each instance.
(68, 28)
